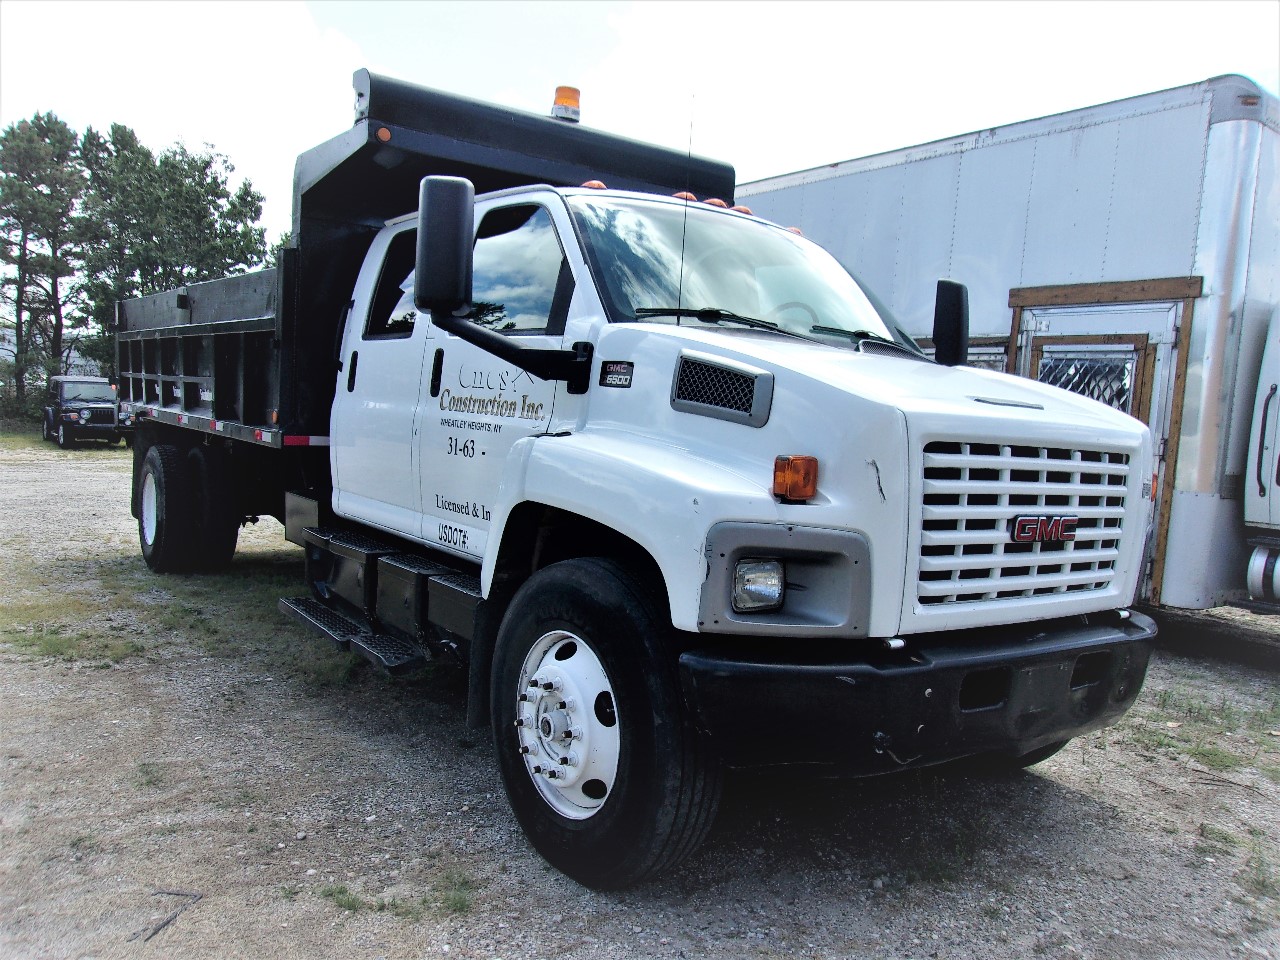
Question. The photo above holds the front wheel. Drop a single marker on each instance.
(604, 769)
(44, 429)
(64, 437)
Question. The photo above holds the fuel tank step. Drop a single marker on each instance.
(389, 652)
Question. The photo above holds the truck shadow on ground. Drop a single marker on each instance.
(922, 827)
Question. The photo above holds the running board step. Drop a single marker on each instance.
(389, 652)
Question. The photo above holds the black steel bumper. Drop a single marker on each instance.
(998, 690)
(78, 430)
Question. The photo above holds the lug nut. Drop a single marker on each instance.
(524, 749)
(548, 685)
(552, 775)
(523, 698)
(520, 722)
(537, 769)
(562, 705)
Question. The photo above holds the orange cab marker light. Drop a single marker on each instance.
(795, 478)
(741, 209)
(383, 135)
(567, 104)
(595, 185)
(685, 195)
(716, 202)
(795, 230)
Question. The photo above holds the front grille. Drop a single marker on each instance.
(100, 417)
(974, 493)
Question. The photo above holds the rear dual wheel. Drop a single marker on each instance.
(217, 513)
(166, 523)
(188, 517)
(604, 768)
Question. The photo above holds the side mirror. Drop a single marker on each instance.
(446, 233)
(950, 323)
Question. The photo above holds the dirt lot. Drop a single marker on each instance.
(184, 773)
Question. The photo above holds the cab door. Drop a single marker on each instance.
(377, 394)
(477, 406)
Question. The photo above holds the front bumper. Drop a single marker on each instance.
(943, 696)
(77, 429)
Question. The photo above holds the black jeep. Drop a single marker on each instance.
(83, 408)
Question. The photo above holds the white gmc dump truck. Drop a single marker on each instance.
(660, 475)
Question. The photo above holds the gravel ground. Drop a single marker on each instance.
(184, 774)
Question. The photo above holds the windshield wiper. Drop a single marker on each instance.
(710, 315)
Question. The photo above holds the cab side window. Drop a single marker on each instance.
(521, 282)
(392, 314)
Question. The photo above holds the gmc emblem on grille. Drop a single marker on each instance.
(1032, 529)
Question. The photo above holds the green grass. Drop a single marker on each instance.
(1220, 733)
(1259, 878)
(1215, 841)
(83, 844)
(149, 775)
(342, 897)
(455, 888)
(19, 435)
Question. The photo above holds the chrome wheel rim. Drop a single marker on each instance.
(567, 725)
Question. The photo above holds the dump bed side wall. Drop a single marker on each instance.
(209, 349)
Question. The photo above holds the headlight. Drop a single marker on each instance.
(758, 586)
(84, 414)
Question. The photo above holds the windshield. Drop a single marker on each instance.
(676, 263)
(94, 392)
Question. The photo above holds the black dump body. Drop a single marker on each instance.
(258, 351)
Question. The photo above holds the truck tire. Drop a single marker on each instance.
(582, 674)
(166, 523)
(64, 437)
(216, 512)
(44, 429)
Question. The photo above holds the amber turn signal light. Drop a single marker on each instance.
(795, 478)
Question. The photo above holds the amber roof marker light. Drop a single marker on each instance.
(567, 105)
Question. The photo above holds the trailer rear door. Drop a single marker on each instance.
(1120, 344)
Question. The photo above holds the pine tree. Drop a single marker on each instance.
(41, 182)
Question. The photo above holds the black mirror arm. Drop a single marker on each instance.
(572, 366)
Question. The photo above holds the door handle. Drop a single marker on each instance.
(351, 372)
(437, 368)
(1262, 437)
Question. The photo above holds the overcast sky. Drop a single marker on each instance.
(769, 87)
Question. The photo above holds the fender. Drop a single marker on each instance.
(662, 497)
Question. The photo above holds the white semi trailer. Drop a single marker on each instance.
(1128, 251)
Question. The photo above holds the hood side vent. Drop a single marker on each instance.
(723, 389)
(882, 349)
